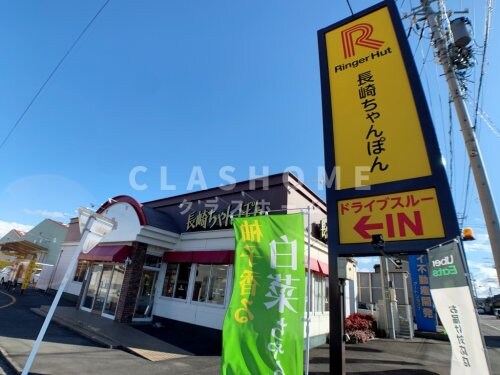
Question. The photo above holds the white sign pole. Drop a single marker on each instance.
(95, 227)
(309, 284)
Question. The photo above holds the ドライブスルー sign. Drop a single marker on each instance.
(379, 139)
(263, 330)
(401, 216)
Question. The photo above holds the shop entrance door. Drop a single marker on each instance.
(103, 289)
(145, 297)
(115, 288)
(92, 286)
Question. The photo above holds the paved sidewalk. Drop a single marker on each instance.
(113, 335)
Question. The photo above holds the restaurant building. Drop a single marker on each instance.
(173, 258)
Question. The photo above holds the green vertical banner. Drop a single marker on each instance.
(263, 330)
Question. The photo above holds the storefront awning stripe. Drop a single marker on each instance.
(116, 254)
(223, 257)
(318, 266)
(214, 257)
(323, 267)
(178, 257)
(203, 257)
(314, 264)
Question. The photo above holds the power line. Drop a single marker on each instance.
(350, 8)
(42, 87)
(450, 135)
(487, 27)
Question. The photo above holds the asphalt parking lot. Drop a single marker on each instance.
(63, 351)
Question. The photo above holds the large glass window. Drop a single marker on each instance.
(176, 280)
(114, 290)
(103, 288)
(210, 283)
(152, 261)
(93, 284)
(81, 270)
(145, 298)
(327, 294)
(319, 294)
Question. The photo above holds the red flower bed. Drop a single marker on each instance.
(359, 328)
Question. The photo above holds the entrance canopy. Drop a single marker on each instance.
(116, 254)
(23, 248)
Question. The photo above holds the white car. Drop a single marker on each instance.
(5, 274)
(35, 276)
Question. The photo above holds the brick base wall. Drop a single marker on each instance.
(131, 283)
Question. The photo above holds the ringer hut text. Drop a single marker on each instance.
(355, 63)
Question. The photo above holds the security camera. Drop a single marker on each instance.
(378, 240)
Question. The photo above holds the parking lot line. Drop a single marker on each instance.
(13, 300)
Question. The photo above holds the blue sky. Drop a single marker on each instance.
(191, 84)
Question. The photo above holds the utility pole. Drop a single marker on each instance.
(442, 40)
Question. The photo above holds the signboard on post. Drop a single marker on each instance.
(425, 314)
(452, 296)
(381, 150)
(380, 145)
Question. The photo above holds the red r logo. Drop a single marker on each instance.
(364, 32)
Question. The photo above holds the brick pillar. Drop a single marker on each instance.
(131, 283)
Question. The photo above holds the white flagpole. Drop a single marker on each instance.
(308, 312)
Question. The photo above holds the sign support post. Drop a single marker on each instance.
(337, 344)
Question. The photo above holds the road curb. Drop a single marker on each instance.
(432, 335)
(14, 366)
(82, 330)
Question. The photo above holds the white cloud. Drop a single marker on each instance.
(484, 277)
(367, 260)
(481, 265)
(481, 243)
(46, 213)
(6, 227)
(365, 264)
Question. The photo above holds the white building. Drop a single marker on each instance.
(173, 258)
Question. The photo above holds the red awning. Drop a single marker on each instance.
(203, 257)
(223, 257)
(116, 254)
(214, 257)
(314, 265)
(178, 257)
(323, 267)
